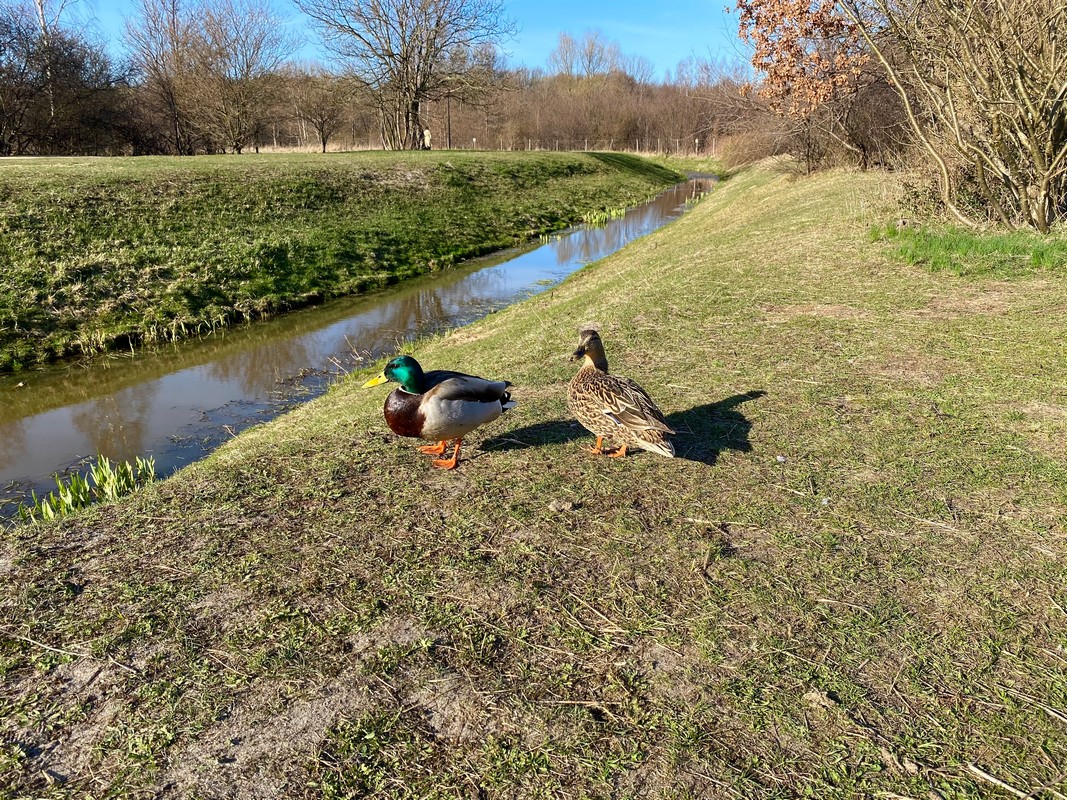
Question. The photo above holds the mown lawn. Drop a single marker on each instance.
(852, 582)
(98, 254)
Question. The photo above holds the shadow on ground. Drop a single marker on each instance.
(703, 431)
(557, 431)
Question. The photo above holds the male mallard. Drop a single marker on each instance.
(614, 407)
(439, 404)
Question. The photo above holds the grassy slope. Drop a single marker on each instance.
(95, 253)
(314, 611)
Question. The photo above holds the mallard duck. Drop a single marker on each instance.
(439, 404)
(613, 407)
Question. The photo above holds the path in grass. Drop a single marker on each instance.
(98, 254)
(851, 583)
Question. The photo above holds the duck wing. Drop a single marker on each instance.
(448, 385)
(625, 402)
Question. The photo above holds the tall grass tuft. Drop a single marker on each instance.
(964, 252)
(108, 482)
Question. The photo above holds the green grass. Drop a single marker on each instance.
(99, 254)
(968, 253)
(101, 482)
(315, 612)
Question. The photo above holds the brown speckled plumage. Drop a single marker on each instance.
(613, 407)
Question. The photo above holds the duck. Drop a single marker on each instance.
(613, 407)
(439, 405)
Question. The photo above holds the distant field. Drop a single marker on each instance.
(97, 254)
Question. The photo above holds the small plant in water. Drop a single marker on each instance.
(598, 219)
(109, 482)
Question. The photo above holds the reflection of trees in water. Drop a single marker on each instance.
(12, 443)
(258, 369)
(421, 310)
(118, 424)
(590, 244)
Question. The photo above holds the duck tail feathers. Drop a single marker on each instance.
(658, 445)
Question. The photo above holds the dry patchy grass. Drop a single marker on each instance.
(315, 612)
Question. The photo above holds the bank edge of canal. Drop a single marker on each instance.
(208, 426)
(105, 254)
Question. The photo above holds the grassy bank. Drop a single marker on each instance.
(850, 583)
(98, 254)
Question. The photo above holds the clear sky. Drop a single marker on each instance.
(663, 31)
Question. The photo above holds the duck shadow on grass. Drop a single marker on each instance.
(703, 431)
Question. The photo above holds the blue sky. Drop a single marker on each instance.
(664, 32)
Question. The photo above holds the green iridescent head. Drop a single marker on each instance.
(403, 370)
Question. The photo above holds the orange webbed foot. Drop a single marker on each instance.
(618, 453)
(434, 449)
(448, 463)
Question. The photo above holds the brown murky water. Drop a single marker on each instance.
(179, 403)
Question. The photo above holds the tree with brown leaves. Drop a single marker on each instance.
(807, 51)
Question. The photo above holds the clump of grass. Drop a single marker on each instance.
(601, 217)
(968, 253)
(103, 482)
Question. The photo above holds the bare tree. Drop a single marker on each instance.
(597, 56)
(319, 99)
(397, 48)
(589, 57)
(49, 13)
(59, 92)
(238, 49)
(21, 82)
(468, 76)
(563, 60)
(990, 96)
(160, 40)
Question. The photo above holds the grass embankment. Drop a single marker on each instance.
(850, 583)
(98, 254)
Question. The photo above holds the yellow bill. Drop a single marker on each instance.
(376, 381)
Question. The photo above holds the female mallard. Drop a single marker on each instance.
(613, 407)
(439, 404)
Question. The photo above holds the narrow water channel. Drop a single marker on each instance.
(179, 403)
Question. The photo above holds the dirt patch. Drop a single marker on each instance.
(778, 314)
(911, 368)
(1046, 412)
(98, 688)
(455, 710)
(222, 610)
(671, 671)
(261, 748)
(256, 753)
(986, 300)
(1045, 427)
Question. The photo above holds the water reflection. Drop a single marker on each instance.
(179, 402)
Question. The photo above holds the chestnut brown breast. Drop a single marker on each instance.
(402, 413)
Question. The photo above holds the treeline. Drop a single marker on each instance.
(222, 80)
